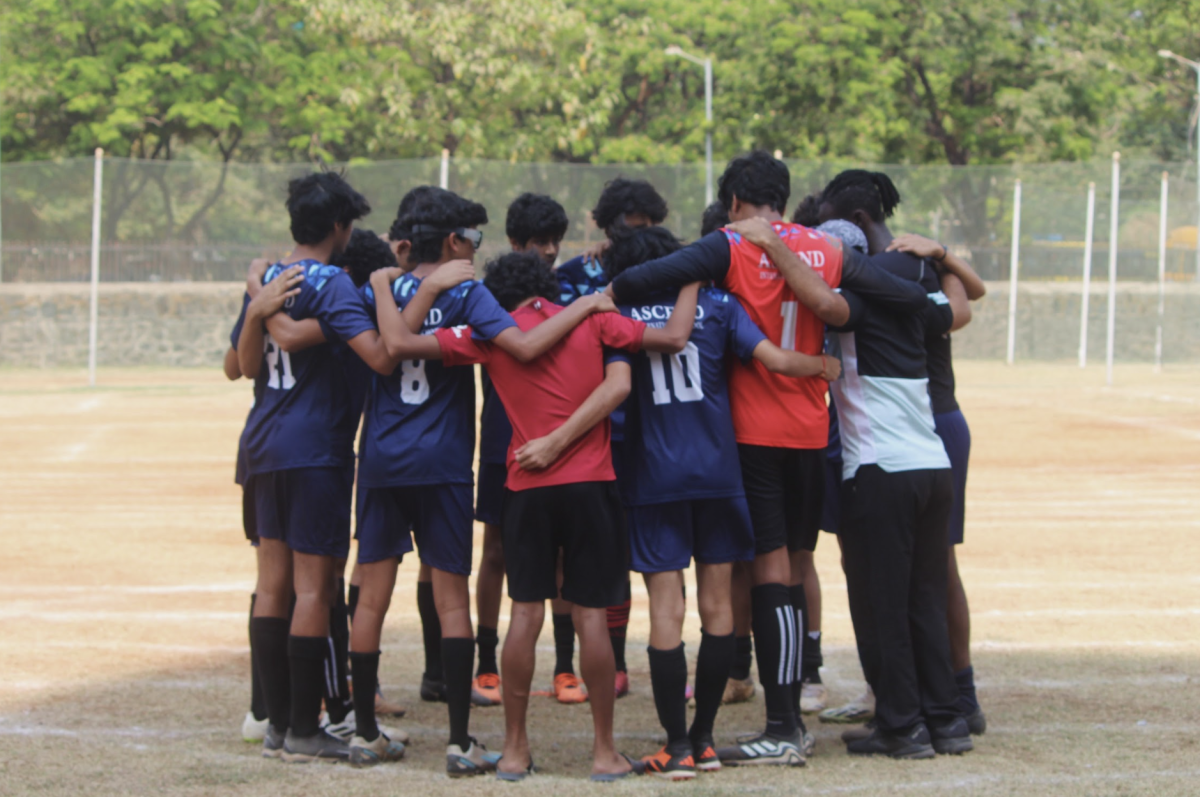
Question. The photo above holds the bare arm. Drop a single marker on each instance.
(542, 452)
(807, 284)
(400, 342)
(674, 335)
(955, 291)
(232, 370)
(794, 363)
(446, 276)
(292, 335)
(529, 345)
(925, 247)
(268, 301)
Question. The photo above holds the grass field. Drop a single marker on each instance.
(125, 577)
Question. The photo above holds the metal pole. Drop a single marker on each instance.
(1112, 267)
(94, 308)
(1162, 274)
(444, 180)
(1087, 274)
(1197, 69)
(708, 119)
(1012, 273)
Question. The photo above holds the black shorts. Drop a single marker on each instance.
(249, 521)
(586, 521)
(785, 488)
(489, 493)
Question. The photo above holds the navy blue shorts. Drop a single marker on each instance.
(489, 493)
(249, 523)
(308, 509)
(956, 437)
(831, 509)
(666, 537)
(437, 516)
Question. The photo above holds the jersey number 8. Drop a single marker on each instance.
(685, 375)
(414, 385)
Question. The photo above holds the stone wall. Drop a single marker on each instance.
(187, 324)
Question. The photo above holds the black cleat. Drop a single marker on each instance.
(318, 747)
(976, 722)
(433, 691)
(952, 738)
(272, 746)
(913, 744)
(858, 732)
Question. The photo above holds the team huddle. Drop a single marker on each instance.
(646, 405)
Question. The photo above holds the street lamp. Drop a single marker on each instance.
(707, 64)
(1196, 68)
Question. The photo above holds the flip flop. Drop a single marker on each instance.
(636, 768)
(516, 777)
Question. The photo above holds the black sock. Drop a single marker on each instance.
(366, 679)
(742, 657)
(618, 646)
(258, 700)
(800, 607)
(337, 686)
(487, 639)
(564, 643)
(352, 601)
(712, 671)
(968, 702)
(274, 671)
(668, 679)
(774, 624)
(811, 661)
(431, 630)
(618, 624)
(458, 655)
(307, 655)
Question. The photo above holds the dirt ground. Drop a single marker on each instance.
(125, 578)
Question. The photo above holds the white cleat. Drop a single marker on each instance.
(254, 730)
(858, 710)
(812, 698)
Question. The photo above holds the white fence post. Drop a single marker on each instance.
(94, 308)
(1162, 273)
(444, 180)
(1012, 273)
(1112, 266)
(1087, 274)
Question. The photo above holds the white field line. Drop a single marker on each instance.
(125, 589)
(147, 617)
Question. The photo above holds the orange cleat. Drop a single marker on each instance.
(672, 766)
(485, 690)
(705, 756)
(622, 683)
(568, 689)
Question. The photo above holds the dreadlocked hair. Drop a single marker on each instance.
(874, 193)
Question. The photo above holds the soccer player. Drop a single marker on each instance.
(781, 423)
(418, 443)
(560, 482)
(682, 500)
(715, 217)
(299, 448)
(868, 199)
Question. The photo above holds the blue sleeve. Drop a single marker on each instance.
(341, 308)
(484, 314)
(744, 334)
(241, 322)
(565, 274)
(617, 356)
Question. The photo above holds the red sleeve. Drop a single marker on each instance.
(618, 332)
(460, 348)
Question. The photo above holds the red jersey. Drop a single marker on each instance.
(541, 395)
(769, 409)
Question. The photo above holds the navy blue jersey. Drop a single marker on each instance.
(679, 440)
(305, 410)
(239, 471)
(580, 276)
(495, 430)
(419, 425)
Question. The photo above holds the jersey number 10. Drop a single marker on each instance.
(685, 375)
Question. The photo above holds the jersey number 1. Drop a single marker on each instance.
(686, 387)
(789, 310)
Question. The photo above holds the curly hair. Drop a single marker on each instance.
(634, 246)
(430, 206)
(516, 276)
(715, 217)
(808, 211)
(756, 178)
(318, 201)
(874, 193)
(367, 252)
(535, 216)
(622, 197)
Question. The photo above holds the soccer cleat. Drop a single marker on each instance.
(347, 729)
(808, 743)
(861, 709)
(475, 760)
(860, 732)
(386, 708)
(568, 689)
(433, 690)
(485, 690)
(254, 730)
(911, 745)
(319, 747)
(976, 722)
(951, 738)
(812, 697)
(272, 743)
(738, 691)
(704, 753)
(671, 764)
(765, 750)
(622, 683)
(380, 751)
